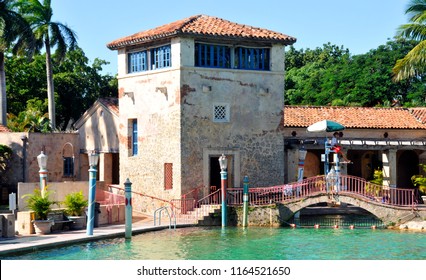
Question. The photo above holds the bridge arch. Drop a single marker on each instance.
(387, 214)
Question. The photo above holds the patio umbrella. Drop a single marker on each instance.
(325, 126)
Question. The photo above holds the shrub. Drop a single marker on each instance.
(40, 203)
(75, 203)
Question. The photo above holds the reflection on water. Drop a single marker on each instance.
(215, 243)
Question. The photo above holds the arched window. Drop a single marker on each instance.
(68, 158)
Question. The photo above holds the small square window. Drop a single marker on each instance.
(221, 112)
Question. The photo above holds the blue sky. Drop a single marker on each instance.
(359, 25)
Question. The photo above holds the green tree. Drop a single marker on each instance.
(414, 62)
(5, 157)
(14, 30)
(331, 76)
(26, 81)
(32, 119)
(78, 84)
(48, 34)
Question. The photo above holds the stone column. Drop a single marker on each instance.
(389, 167)
(292, 167)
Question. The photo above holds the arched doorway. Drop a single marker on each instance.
(408, 165)
(312, 164)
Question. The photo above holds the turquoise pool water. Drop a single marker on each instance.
(215, 243)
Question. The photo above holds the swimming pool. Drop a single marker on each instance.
(253, 243)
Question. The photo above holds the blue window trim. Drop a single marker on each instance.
(134, 137)
(161, 57)
(219, 56)
(214, 56)
(137, 62)
(252, 58)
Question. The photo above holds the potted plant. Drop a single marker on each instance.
(420, 182)
(75, 204)
(41, 204)
(374, 187)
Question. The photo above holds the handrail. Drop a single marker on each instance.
(320, 184)
(339, 184)
(170, 203)
(139, 193)
(108, 198)
(161, 209)
(194, 191)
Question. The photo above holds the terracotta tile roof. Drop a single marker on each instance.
(419, 113)
(111, 103)
(354, 117)
(206, 26)
(4, 128)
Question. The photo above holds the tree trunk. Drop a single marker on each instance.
(50, 87)
(3, 100)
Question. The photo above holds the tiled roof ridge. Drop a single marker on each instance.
(347, 107)
(202, 24)
(136, 38)
(356, 117)
(111, 103)
(188, 21)
(419, 113)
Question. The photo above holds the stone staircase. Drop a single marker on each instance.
(206, 215)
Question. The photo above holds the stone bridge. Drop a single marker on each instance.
(277, 204)
(280, 212)
(388, 214)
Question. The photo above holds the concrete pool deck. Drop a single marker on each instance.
(27, 243)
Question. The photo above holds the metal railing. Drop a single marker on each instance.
(358, 222)
(340, 184)
(178, 207)
(109, 198)
(172, 217)
(189, 208)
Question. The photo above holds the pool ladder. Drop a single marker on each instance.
(171, 216)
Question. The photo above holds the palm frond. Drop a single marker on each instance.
(413, 64)
(413, 31)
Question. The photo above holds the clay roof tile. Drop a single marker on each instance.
(205, 26)
(356, 117)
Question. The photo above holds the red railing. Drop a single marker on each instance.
(192, 209)
(319, 184)
(189, 208)
(178, 206)
(188, 201)
(118, 188)
(109, 198)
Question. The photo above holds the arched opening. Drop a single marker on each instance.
(68, 160)
(312, 165)
(326, 214)
(408, 165)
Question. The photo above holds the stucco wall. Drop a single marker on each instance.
(174, 110)
(98, 131)
(15, 173)
(58, 191)
(55, 146)
(153, 98)
(255, 100)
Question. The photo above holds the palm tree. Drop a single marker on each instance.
(48, 34)
(414, 63)
(14, 30)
